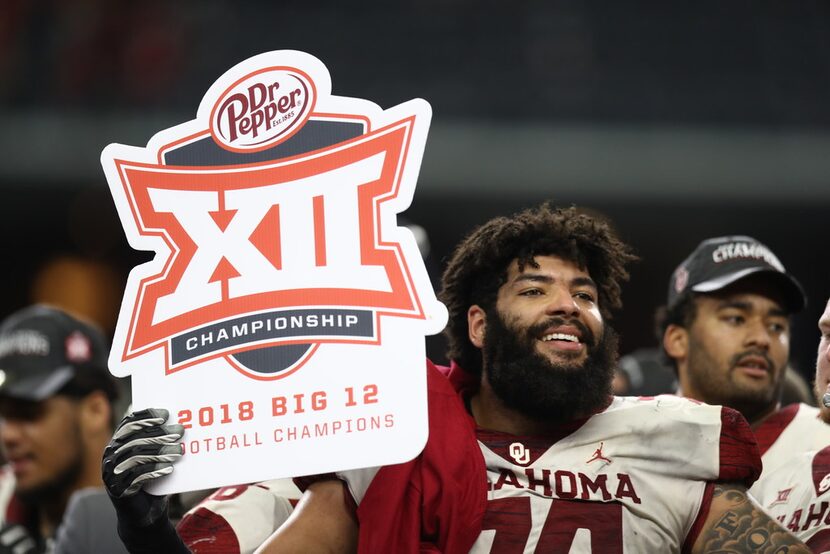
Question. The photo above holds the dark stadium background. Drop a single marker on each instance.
(676, 121)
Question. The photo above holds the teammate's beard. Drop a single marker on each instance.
(56, 487)
(721, 388)
(528, 382)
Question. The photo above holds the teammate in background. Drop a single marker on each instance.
(511, 462)
(796, 493)
(56, 416)
(726, 327)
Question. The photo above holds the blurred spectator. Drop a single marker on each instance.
(89, 525)
(644, 372)
(796, 389)
(89, 288)
(56, 404)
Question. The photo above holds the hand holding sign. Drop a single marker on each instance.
(142, 449)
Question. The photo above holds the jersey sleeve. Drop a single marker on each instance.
(740, 459)
(700, 520)
(237, 519)
(437, 500)
(433, 503)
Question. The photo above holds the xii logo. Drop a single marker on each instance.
(275, 234)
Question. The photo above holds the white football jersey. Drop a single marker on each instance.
(791, 431)
(631, 479)
(238, 519)
(796, 495)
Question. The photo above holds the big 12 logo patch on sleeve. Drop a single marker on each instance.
(283, 315)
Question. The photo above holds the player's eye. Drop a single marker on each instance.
(531, 292)
(733, 319)
(21, 410)
(584, 295)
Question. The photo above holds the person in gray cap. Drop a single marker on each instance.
(56, 417)
(726, 328)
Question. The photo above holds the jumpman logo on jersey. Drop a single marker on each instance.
(598, 455)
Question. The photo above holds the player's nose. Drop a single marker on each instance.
(561, 302)
(758, 334)
(11, 433)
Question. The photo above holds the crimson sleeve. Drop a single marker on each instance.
(206, 532)
(740, 460)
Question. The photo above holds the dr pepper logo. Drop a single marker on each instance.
(272, 216)
(262, 109)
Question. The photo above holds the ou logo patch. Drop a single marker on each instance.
(824, 484)
(681, 279)
(519, 453)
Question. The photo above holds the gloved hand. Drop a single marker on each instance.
(142, 449)
(15, 539)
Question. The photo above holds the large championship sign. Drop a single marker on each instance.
(282, 317)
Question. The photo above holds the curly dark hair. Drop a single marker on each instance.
(478, 266)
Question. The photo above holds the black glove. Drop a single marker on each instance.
(15, 539)
(142, 449)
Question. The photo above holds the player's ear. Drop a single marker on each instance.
(96, 413)
(676, 341)
(476, 325)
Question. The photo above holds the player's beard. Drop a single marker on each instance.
(720, 387)
(528, 382)
(57, 486)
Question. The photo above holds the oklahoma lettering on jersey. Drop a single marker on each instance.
(622, 482)
(273, 235)
(796, 495)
